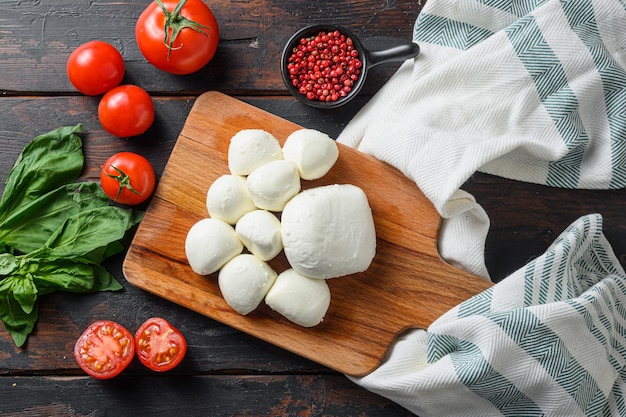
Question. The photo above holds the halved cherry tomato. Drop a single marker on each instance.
(126, 110)
(104, 349)
(178, 37)
(127, 178)
(95, 67)
(160, 346)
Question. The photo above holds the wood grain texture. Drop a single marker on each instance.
(38, 37)
(222, 395)
(407, 285)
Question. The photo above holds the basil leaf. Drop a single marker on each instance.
(104, 281)
(20, 282)
(73, 275)
(89, 230)
(25, 292)
(28, 228)
(49, 161)
(8, 264)
(99, 255)
(18, 323)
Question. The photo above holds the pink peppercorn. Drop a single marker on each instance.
(324, 67)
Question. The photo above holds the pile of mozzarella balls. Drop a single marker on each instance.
(325, 232)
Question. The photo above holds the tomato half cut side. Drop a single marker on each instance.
(160, 346)
(104, 349)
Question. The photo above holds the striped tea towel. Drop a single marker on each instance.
(532, 90)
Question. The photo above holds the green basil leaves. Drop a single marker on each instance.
(54, 232)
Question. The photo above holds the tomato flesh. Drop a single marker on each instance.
(160, 346)
(104, 349)
(127, 178)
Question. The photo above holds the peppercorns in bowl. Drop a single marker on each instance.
(325, 66)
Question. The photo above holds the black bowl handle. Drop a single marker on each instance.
(397, 53)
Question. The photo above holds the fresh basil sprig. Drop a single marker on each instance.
(54, 232)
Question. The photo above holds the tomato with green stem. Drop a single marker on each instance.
(178, 37)
(104, 349)
(128, 178)
(159, 345)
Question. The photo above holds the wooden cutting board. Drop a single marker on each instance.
(407, 285)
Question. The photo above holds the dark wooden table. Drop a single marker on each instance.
(225, 372)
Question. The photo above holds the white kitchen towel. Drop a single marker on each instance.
(549, 340)
(532, 90)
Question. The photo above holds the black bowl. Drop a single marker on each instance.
(368, 58)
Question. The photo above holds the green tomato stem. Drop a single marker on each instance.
(123, 180)
(175, 22)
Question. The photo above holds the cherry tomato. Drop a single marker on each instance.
(104, 349)
(126, 110)
(127, 178)
(192, 35)
(160, 346)
(95, 67)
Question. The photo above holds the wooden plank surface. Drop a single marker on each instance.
(407, 285)
(37, 38)
(224, 395)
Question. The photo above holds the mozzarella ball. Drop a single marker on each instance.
(259, 230)
(244, 281)
(300, 299)
(251, 148)
(273, 184)
(209, 244)
(228, 198)
(328, 231)
(313, 152)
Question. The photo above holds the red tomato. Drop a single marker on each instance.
(127, 178)
(160, 346)
(95, 67)
(126, 110)
(104, 349)
(192, 35)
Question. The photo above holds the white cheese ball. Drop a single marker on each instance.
(209, 244)
(273, 184)
(244, 281)
(259, 230)
(300, 299)
(313, 152)
(251, 148)
(329, 232)
(228, 198)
